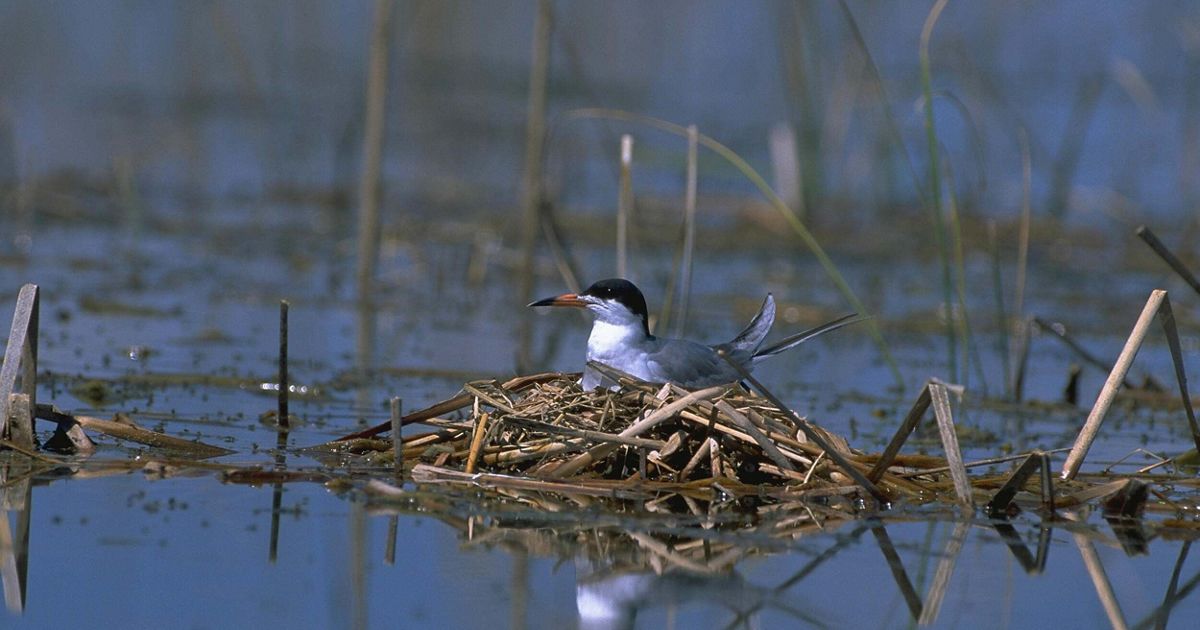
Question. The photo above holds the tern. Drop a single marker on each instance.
(621, 339)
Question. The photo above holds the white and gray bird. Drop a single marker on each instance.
(621, 339)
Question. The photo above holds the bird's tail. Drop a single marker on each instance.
(756, 331)
(799, 338)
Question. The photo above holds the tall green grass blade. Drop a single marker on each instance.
(935, 188)
(1001, 317)
(971, 355)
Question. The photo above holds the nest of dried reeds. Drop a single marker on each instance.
(544, 432)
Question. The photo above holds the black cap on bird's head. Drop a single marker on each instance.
(616, 290)
(620, 290)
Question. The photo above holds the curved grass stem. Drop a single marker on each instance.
(789, 215)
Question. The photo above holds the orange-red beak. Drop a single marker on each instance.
(566, 299)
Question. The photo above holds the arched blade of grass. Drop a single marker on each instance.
(794, 221)
(935, 186)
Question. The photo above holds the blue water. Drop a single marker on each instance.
(179, 162)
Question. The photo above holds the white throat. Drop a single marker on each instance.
(610, 340)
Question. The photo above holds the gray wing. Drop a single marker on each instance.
(752, 336)
(692, 365)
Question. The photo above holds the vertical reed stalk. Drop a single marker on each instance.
(531, 184)
(624, 205)
(1086, 98)
(1002, 345)
(935, 186)
(1020, 336)
(689, 230)
(397, 438)
(373, 130)
(969, 347)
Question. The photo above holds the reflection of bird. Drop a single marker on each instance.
(614, 599)
(621, 339)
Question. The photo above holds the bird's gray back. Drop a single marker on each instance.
(692, 365)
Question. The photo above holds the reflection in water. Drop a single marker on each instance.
(613, 599)
(632, 570)
(647, 564)
(16, 503)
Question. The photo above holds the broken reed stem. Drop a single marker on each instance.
(940, 401)
(700, 454)
(477, 441)
(282, 419)
(1167, 317)
(915, 413)
(397, 437)
(1168, 257)
(624, 205)
(998, 506)
(20, 360)
(1112, 385)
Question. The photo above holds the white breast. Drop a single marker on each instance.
(620, 346)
